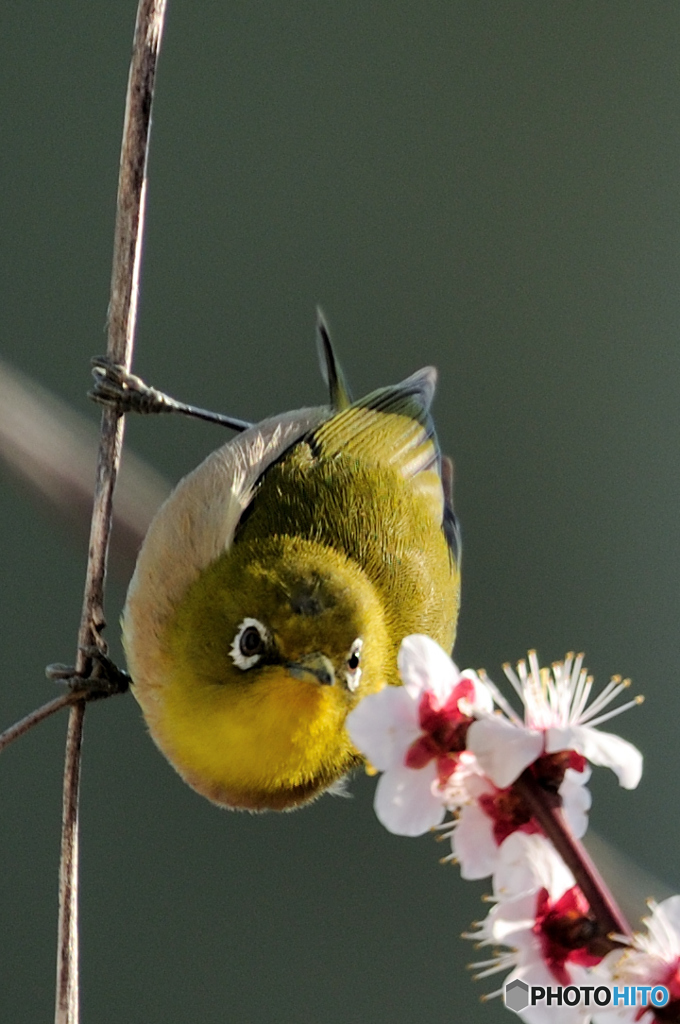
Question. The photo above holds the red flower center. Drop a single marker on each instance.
(564, 928)
(444, 731)
(508, 810)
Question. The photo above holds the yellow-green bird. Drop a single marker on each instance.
(276, 583)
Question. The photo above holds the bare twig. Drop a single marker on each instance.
(35, 717)
(122, 320)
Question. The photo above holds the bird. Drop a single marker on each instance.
(275, 584)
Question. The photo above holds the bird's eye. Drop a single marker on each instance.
(353, 671)
(249, 644)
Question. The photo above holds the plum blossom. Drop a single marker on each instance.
(491, 815)
(441, 747)
(556, 720)
(544, 919)
(415, 734)
(652, 959)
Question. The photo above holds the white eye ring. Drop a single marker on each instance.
(353, 675)
(239, 647)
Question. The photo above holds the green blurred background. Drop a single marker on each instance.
(491, 187)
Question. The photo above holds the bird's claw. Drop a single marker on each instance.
(117, 388)
(103, 678)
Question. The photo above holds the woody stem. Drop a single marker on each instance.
(545, 808)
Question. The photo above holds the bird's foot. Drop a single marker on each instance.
(102, 677)
(117, 388)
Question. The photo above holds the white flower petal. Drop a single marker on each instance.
(514, 875)
(511, 922)
(623, 1015)
(626, 967)
(503, 750)
(602, 748)
(405, 802)
(482, 700)
(473, 843)
(384, 725)
(669, 912)
(527, 863)
(576, 800)
(423, 665)
(651, 960)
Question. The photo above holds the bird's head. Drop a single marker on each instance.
(266, 653)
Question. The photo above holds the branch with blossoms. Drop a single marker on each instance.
(508, 790)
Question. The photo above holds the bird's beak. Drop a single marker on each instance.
(315, 664)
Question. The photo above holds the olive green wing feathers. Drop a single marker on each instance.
(393, 426)
(390, 426)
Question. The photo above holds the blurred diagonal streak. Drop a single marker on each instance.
(631, 884)
(53, 450)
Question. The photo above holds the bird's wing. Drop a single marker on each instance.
(393, 426)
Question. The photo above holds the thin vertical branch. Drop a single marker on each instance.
(67, 995)
(121, 328)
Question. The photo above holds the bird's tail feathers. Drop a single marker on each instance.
(331, 371)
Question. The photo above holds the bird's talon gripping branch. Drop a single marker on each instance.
(103, 678)
(116, 388)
